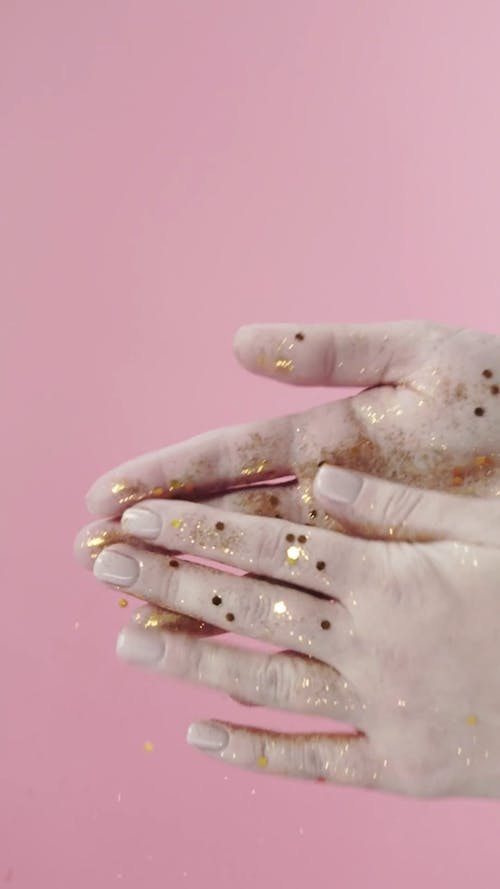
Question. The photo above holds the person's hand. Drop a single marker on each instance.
(399, 639)
(432, 419)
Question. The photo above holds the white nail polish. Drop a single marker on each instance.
(141, 522)
(139, 646)
(338, 484)
(116, 568)
(207, 736)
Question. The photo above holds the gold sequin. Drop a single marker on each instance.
(257, 467)
(284, 364)
(293, 553)
(175, 485)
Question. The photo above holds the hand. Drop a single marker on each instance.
(407, 651)
(432, 420)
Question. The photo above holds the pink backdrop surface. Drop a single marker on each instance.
(170, 170)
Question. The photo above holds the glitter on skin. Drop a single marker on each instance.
(176, 523)
(280, 608)
(472, 720)
(262, 761)
(175, 485)
(293, 553)
(259, 466)
(284, 364)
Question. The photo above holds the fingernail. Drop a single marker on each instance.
(141, 522)
(207, 736)
(338, 484)
(140, 646)
(116, 568)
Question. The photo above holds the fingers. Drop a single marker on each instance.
(332, 355)
(92, 539)
(202, 465)
(273, 612)
(372, 507)
(317, 560)
(341, 759)
(279, 681)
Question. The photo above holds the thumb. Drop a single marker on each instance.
(371, 507)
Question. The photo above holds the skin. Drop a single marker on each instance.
(431, 419)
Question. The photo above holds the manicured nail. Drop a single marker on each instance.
(207, 736)
(116, 568)
(339, 485)
(139, 646)
(141, 522)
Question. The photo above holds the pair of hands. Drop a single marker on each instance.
(381, 598)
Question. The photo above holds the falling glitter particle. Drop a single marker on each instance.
(149, 746)
(123, 603)
(262, 761)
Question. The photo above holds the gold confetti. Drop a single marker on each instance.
(472, 720)
(284, 364)
(149, 746)
(262, 761)
(176, 523)
(293, 553)
(175, 485)
(123, 603)
(259, 466)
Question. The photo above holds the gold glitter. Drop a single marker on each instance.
(230, 617)
(176, 523)
(220, 526)
(293, 553)
(257, 467)
(157, 492)
(119, 487)
(457, 481)
(480, 461)
(284, 364)
(472, 720)
(149, 746)
(279, 608)
(175, 485)
(290, 538)
(123, 603)
(262, 761)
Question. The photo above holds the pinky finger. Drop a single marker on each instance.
(338, 758)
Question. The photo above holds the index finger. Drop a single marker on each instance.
(209, 463)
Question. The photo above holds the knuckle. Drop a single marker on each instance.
(270, 545)
(398, 507)
(254, 609)
(170, 584)
(275, 679)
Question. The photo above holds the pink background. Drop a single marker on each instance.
(171, 169)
